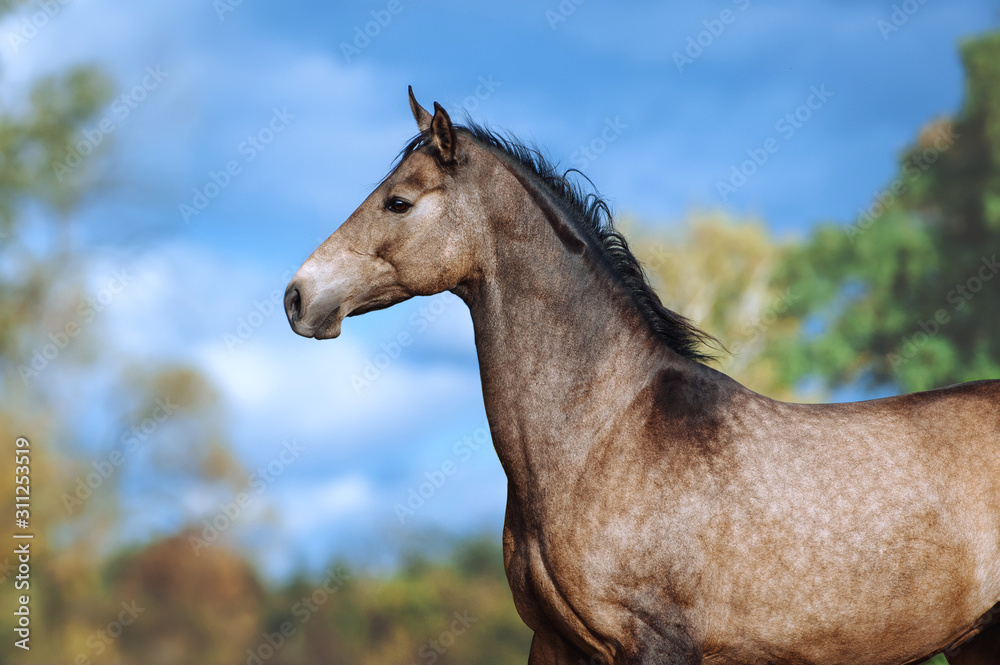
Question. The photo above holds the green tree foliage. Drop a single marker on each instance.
(32, 137)
(906, 295)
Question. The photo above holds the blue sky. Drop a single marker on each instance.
(551, 76)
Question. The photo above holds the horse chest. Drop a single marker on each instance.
(532, 585)
(545, 593)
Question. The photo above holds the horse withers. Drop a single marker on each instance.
(658, 511)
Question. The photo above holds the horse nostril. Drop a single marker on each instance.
(293, 303)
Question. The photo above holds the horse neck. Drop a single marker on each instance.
(562, 347)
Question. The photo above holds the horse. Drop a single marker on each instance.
(658, 511)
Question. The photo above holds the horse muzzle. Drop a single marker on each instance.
(314, 314)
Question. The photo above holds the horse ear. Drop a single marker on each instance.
(420, 114)
(443, 134)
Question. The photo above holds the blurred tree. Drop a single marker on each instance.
(719, 273)
(906, 295)
(188, 610)
(458, 610)
(33, 133)
(44, 283)
(30, 142)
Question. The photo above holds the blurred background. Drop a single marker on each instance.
(817, 184)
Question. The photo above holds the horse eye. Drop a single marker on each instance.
(397, 205)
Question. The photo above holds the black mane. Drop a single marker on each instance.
(592, 216)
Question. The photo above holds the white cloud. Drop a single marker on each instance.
(335, 500)
(277, 386)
